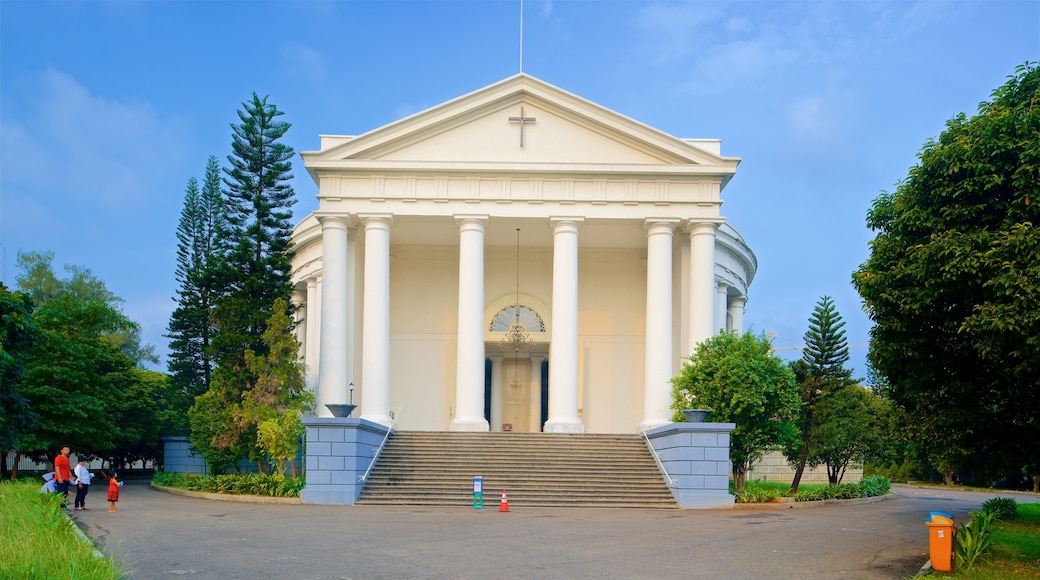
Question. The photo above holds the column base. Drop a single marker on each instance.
(470, 425)
(564, 426)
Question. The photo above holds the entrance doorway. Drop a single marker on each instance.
(516, 395)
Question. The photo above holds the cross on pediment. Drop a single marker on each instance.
(523, 120)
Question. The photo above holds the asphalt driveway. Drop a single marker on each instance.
(159, 535)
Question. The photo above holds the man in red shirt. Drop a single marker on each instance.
(62, 473)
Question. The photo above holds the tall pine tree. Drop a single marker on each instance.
(819, 373)
(191, 329)
(253, 270)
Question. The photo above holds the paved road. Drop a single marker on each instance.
(159, 535)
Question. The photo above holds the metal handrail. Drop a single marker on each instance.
(393, 421)
(657, 458)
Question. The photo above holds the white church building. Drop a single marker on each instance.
(516, 259)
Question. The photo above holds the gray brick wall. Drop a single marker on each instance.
(696, 457)
(338, 451)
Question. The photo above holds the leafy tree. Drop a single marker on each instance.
(850, 429)
(18, 333)
(252, 268)
(820, 373)
(190, 329)
(742, 382)
(952, 285)
(279, 394)
(81, 376)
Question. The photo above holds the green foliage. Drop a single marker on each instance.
(742, 382)
(973, 540)
(1002, 508)
(257, 375)
(758, 492)
(850, 429)
(953, 286)
(820, 374)
(270, 485)
(38, 539)
(866, 487)
(190, 329)
(18, 333)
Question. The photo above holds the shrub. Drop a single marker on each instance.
(867, 487)
(973, 539)
(269, 485)
(1003, 508)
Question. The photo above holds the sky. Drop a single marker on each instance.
(108, 108)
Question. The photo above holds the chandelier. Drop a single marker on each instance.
(516, 337)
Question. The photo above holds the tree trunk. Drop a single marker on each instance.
(3, 463)
(14, 468)
(948, 476)
(803, 458)
(739, 478)
(1036, 484)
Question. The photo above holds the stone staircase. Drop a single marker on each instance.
(537, 470)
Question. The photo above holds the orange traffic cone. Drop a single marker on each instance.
(504, 505)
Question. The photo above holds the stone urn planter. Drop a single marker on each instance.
(340, 410)
(695, 415)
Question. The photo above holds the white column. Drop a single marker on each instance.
(702, 282)
(469, 385)
(312, 318)
(736, 313)
(351, 318)
(332, 364)
(496, 393)
(563, 356)
(375, 356)
(535, 399)
(657, 369)
(721, 309)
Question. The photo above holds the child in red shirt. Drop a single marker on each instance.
(113, 491)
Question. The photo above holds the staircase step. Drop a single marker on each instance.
(537, 469)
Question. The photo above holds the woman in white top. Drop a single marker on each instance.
(83, 476)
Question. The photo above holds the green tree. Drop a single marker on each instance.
(18, 333)
(820, 373)
(252, 269)
(850, 429)
(81, 376)
(279, 394)
(952, 285)
(742, 382)
(190, 329)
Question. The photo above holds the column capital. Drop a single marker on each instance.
(699, 228)
(334, 221)
(376, 220)
(560, 223)
(658, 225)
(466, 219)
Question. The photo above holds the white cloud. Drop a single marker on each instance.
(83, 146)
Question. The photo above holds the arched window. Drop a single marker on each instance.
(517, 313)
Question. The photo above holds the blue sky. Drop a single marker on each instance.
(107, 108)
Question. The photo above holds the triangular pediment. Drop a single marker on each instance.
(486, 127)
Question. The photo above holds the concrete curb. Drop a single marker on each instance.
(790, 505)
(228, 496)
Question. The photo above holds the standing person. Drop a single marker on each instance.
(62, 475)
(113, 490)
(83, 477)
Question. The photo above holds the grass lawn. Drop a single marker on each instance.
(38, 539)
(1016, 549)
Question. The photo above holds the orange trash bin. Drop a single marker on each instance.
(940, 540)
